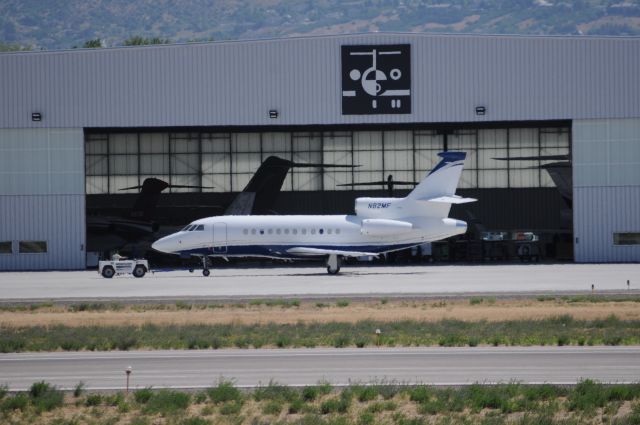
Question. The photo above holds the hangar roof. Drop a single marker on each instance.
(515, 78)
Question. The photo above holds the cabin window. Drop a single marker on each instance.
(304, 231)
(337, 231)
(262, 231)
(6, 247)
(328, 231)
(32, 247)
(286, 231)
(278, 231)
(245, 231)
(313, 231)
(200, 227)
(294, 231)
(253, 231)
(270, 231)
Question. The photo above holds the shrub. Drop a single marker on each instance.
(367, 394)
(339, 405)
(310, 393)
(17, 402)
(93, 400)
(273, 407)
(231, 408)
(45, 397)
(224, 392)
(79, 389)
(420, 394)
(296, 406)
(3, 391)
(143, 396)
(366, 418)
(167, 402)
(342, 303)
(275, 391)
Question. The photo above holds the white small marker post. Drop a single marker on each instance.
(128, 372)
(378, 332)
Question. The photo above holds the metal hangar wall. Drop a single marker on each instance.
(56, 106)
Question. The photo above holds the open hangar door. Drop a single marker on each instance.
(194, 174)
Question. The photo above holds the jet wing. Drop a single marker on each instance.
(455, 199)
(301, 250)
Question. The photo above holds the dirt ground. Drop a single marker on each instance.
(380, 310)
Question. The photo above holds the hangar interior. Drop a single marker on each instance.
(214, 164)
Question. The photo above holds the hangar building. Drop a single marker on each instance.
(77, 126)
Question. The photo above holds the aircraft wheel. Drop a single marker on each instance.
(139, 271)
(190, 270)
(206, 272)
(333, 270)
(108, 272)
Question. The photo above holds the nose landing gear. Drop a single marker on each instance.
(205, 266)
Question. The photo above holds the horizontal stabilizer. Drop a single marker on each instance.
(301, 250)
(454, 199)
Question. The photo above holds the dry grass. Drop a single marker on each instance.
(308, 312)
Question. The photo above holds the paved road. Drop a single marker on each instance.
(452, 366)
(310, 282)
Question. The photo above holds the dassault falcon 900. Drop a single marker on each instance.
(380, 225)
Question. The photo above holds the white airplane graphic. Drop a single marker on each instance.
(380, 225)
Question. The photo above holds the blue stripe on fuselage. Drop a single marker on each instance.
(280, 251)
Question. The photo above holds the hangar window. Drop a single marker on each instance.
(224, 162)
(6, 247)
(32, 247)
(626, 238)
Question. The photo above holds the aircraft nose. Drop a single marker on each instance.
(162, 245)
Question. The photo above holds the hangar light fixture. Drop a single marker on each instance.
(36, 116)
(273, 113)
(481, 110)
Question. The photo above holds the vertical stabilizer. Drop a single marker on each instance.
(442, 180)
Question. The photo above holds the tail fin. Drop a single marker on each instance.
(442, 180)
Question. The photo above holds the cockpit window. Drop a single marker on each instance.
(200, 227)
(186, 228)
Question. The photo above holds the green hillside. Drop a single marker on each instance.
(61, 24)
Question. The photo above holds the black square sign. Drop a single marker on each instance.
(376, 79)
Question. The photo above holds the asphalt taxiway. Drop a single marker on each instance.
(314, 282)
(435, 366)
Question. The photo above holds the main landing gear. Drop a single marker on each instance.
(333, 264)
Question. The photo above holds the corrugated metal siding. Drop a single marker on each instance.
(598, 213)
(606, 188)
(42, 197)
(56, 219)
(41, 161)
(236, 83)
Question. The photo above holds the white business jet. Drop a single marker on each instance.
(380, 225)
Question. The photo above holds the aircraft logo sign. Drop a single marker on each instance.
(376, 79)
